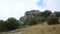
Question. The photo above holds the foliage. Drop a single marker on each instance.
(46, 13)
(52, 20)
(33, 21)
(12, 23)
(42, 19)
(9, 24)
(36, 20)
(2, 26)
(57, 14)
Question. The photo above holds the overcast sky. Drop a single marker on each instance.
(17, 8)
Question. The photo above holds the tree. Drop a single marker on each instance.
(57, 14)
(12, 23)
(42, 19)
(33, 21)
(46, 13)
(2, 26)
(52, 19)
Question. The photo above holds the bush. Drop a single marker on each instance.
(32, 21)
(52, 20)
(42, 19)
(2, 26)
(11, 24)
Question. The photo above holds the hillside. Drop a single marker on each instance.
(37, 29)
(43, 29)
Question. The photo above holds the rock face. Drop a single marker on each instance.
(32, 13)
(23, 18)
(29, 14)
(52, 15)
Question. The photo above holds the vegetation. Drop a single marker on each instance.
(46, 13)
(38, 18)
(53, 21)
(12, 23)
(9, 24)
(42, 29)
(33, 21)
(57, 14)
(42, 19)
(44, 16)
(2, 26)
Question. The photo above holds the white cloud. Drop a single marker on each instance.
(53, 5)
(17, 8)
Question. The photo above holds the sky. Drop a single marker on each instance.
(17, 8)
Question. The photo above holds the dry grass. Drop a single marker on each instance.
(39, 29)
(43, 29)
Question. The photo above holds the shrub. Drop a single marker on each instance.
(9, 24)
(2, 26)
(32, 21)
(12, 23)
(52, 20)
(42, 19)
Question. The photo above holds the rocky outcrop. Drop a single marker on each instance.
(29, 14)
(32, 13)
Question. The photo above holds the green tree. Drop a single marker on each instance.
(12, 23)
(46, 13)
(42, 19)
(33, 21)
(52, 19)
(2, 26)
(57, 14)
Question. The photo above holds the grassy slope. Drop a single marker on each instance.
(43, 29)
(38, 29)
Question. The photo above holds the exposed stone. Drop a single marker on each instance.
(29, 14)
